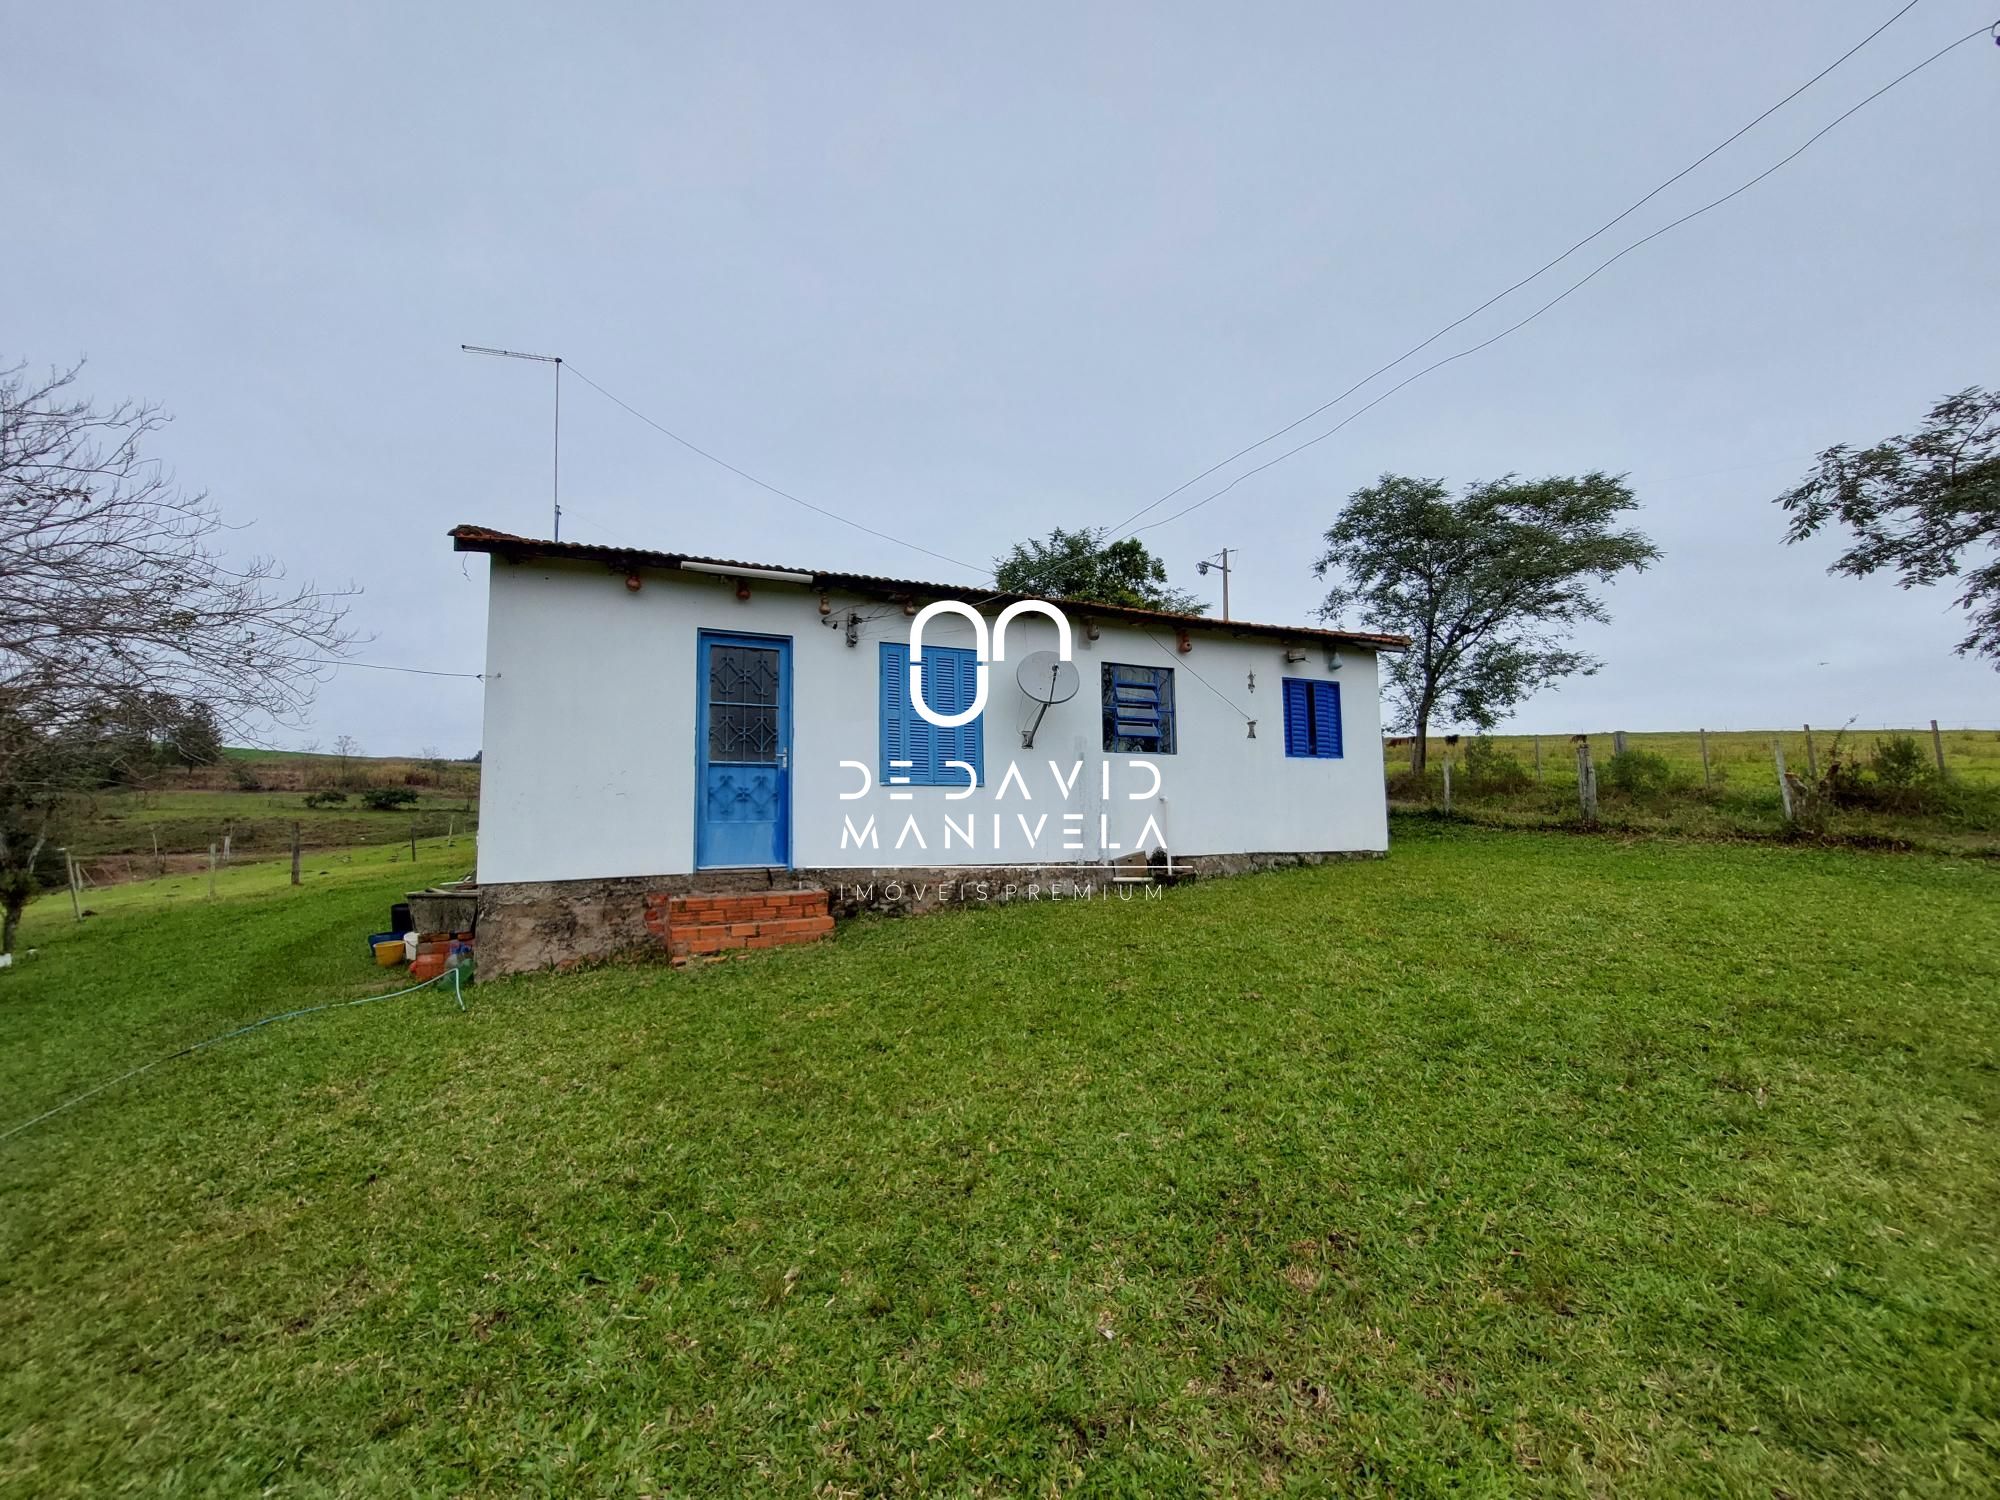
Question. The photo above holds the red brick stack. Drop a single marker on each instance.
(434, 953)
(701, 926)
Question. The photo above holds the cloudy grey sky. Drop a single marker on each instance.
(964, 274)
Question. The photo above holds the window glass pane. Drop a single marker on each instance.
(742, 674)
(743, 704)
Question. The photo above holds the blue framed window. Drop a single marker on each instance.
(1138, 710)
(951, 681)
(1312, 718)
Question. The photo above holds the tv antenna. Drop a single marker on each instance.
(1221, 563)
(1048, 680)
(555, 474)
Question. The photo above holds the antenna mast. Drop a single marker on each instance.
(555, 469)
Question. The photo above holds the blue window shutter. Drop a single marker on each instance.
(920, 734)
(1298, 720)
(951, 680)
(971, 737)
(896, 713)
(1326, 719)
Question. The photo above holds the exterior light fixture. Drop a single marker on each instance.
(632, 582)
(743, 588)
(825, 607)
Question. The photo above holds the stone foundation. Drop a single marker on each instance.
(545, 924)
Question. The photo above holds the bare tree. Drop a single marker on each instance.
(113, 590)
(346, 746)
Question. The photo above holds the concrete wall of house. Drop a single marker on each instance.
(589, 752)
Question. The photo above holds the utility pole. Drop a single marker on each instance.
(555, 474)
(1221, 563)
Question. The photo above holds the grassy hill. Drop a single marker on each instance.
(1514, 1163)
(253, 797)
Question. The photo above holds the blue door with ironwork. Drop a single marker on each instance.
(743, 751)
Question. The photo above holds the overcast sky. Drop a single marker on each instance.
(965, 274)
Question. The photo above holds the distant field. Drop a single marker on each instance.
(1740, 758)
(253, 797)
(260, 875)
(126, 823)
(1740, 797)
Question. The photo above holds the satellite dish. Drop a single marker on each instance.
(1047, 678)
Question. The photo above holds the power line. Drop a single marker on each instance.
(766, 484)
(1574, 286)
(376, 666)
(1547, 265)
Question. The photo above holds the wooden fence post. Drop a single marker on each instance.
(75, 900)
(413, 841)
(1707, 785)
(1937, 748)
(1812, 759)
(160, 865)
(225, 848)
(211, 872)
(1784, 784)
(295, 854)
(1586, 782)
(1617, 742)
(1447, 783)
(1538, 757)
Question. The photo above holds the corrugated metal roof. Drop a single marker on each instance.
(507, 544)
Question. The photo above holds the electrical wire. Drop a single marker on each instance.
(1180, 661)
(1574, 286)
(376, 666)
(762, 483)
(1533, 275)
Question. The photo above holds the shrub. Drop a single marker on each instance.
(244, 775)
(1488, 768)
(1636, 773)
(387, 798)
(1898, 764)
(331, 797)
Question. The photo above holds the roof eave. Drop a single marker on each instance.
(470, 538)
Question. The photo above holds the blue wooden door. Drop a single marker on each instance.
(743, 740)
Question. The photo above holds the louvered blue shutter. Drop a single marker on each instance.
(972, 736)
(896, 713)
(921, 735)
(951, 680)
(1298, 717)
(1326, 719)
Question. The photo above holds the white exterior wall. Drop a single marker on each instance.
(589, 744)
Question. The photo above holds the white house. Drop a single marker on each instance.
(658, 722)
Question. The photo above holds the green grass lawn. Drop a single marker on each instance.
(1512, 1163)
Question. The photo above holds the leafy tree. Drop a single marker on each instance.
(1925, 506)
(1082, 565)
(118, 612)
(1487, 586)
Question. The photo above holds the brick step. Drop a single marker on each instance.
(702, 925)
